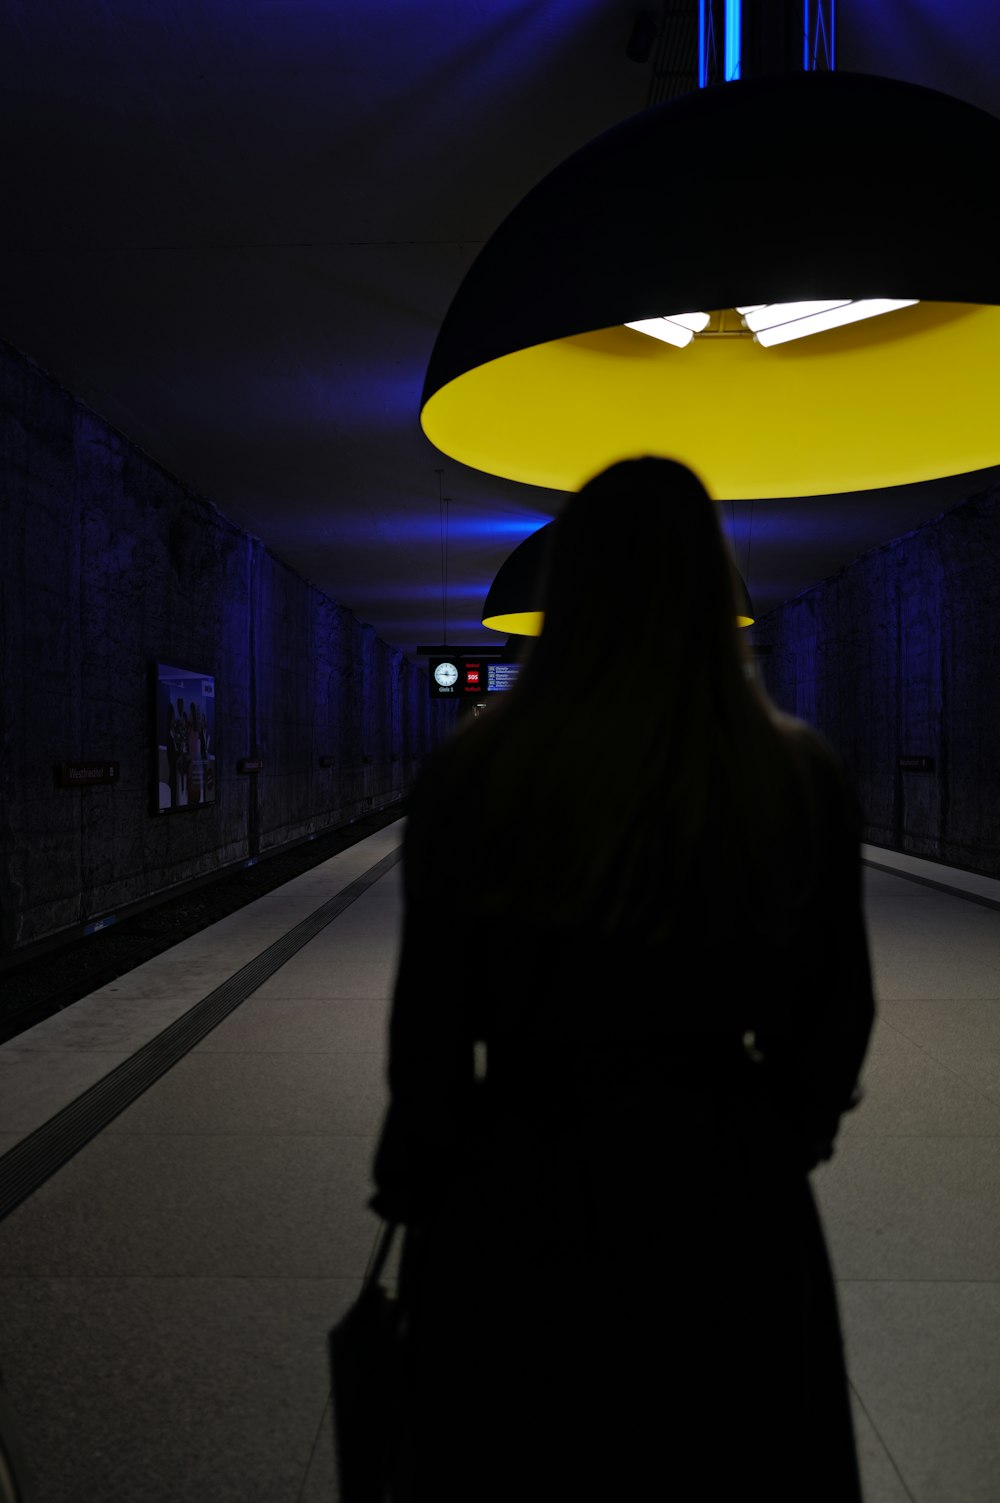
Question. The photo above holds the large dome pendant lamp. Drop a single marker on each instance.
(515, 601)
(832, 190)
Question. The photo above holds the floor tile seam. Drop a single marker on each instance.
(880, 1016)
(358, 1056)
(983, 997)
(887, 930)
(881, 1439)
(951, 951)
(48, 1146)
(315, 1452)
(319, 997)
(228, 1133)
(946, 1001)
(920, 1137)
(63, 1049)
(354, 997)
(358, 1279)
(267, 1135)
(310, 1053)
(943, 1063)
(970, 1283)
(936, 936)
(187, 1278)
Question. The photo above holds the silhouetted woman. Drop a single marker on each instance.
(633, 891)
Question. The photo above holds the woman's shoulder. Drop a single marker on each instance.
(448, 788)
(823, 768)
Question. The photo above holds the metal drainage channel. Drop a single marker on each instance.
(30, 1163)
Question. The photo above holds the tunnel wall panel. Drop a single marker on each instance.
(109, 564)
(899, 656)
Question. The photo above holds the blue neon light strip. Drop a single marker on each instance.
(817, 19)
(703, 42)
(733, 37)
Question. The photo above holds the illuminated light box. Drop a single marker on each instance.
(465, 678)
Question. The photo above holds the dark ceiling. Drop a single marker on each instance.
(233, 227)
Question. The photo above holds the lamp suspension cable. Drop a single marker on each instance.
(444, 502)
(734, 540)
(447, 519)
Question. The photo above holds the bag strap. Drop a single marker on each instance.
(381, 1254)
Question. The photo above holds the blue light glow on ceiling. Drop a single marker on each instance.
(470, 594)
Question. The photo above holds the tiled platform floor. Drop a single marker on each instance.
(165, 1297)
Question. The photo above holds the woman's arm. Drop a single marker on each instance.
(430, 1068)
(815, 1042)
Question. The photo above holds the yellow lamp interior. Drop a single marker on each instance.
(908, 396)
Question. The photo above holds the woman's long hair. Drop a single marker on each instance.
(637, 762)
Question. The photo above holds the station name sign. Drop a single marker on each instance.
(88, 774)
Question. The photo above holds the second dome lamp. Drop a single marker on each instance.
(515, 600)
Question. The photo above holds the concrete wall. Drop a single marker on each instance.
(107, 564)
(899, 655)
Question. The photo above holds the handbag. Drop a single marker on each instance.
(13, 1481)
(366, 1366)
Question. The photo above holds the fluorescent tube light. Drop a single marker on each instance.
(694, 321)
(665, 329)
(769, 315)
(844, 313)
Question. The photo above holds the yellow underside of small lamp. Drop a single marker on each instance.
(910, 395)
(529, 623)
(520, 623)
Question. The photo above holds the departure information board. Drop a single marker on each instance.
(462, 678)
(501, 676)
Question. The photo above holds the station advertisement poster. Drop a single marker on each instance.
(185, 739)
